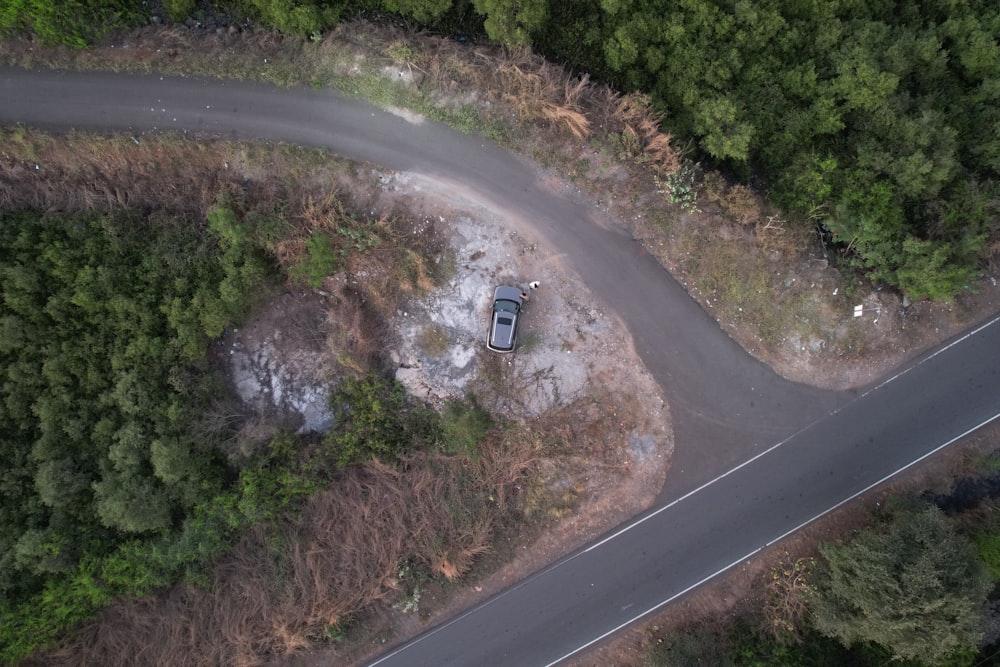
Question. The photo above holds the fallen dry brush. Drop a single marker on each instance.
(83, 172)
(519, 81)
(287, 585)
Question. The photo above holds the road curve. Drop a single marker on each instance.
(725, 405)
(727, 408)
(667, 552)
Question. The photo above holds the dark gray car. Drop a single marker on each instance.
(507, 304)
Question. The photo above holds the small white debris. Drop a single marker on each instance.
(859, 310)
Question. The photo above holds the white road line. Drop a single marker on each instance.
(936, 353)
(700, 488)
(652, 609)
(886, 478)
(797, 433)
(759, 549)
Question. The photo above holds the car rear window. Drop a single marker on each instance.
(505, 320)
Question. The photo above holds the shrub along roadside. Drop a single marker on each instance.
(877, 125)
(272, 495)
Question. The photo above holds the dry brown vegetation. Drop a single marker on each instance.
(87, 172)
(293, 583)
(786, 597)
(84, 172)
(728, 248)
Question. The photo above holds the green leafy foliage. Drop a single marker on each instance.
(463, 426)
(139, 566)
(914, 587)
(423, 11)
(751, 649)
(378, 421)
(297, 17)
(320, 261)
(178, 10)
(70, 22)
(105, 322)
(988, 548)
(512, 22)
(819, 101)
(873, 121)
(680, 187)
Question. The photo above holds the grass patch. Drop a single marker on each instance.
(464, 424)
(433, 340)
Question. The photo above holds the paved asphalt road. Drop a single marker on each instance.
(665, 553)
(727, 408)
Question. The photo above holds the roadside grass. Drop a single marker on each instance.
(607, 143)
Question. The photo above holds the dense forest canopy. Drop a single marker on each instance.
(105, 320)
(120, 475)
(878, 121)
(104, 324)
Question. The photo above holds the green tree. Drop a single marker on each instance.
(178, 10)
(71, 22)
(914, 586)
(823, 101)
(512, 22)
(378, 421)
(424, 11)
(297, 17)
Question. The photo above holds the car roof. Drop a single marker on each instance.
(509, 293)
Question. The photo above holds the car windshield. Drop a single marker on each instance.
(504, 304)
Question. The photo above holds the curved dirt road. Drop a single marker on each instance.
(726, 407)
(725, 404)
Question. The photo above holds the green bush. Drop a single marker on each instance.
(320, 261)
(105, 320)
(463, 426)
(914, 587)
(872, 121)
(377, 420)
(988, 547)
(297, 17)
(179, 10)
(71, 22)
